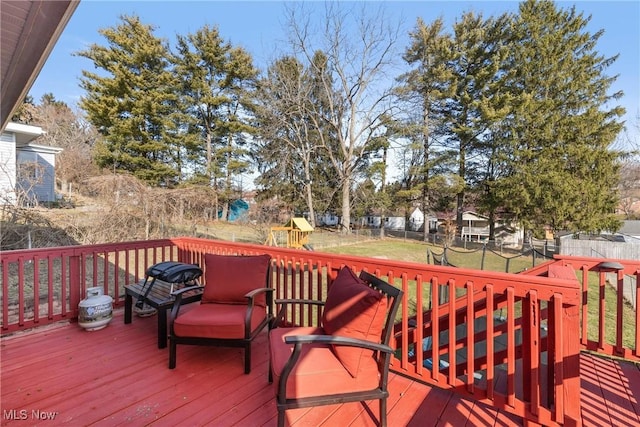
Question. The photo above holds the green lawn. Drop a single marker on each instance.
(407, 250)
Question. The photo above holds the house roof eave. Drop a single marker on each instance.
(28, 33)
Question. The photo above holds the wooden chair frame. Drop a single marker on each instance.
(382, 351)
(244, 342)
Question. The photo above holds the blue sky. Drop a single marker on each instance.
(258, 26)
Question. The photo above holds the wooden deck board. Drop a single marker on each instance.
(118, 376)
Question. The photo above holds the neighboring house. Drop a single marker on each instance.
(327, 219)
(417, 218)
(474, 225)
(396, 223)
(27, 170)
(372, 221)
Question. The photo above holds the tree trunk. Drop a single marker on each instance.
(312, 212)
(425, 170)
(346, 207)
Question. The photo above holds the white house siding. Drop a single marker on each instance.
(327, 219)
(395, 223)
(7, 168)
(42, 188)
(416, 220)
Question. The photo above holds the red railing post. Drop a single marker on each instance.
(571, 364)
(75, 285)
(636, 350)
(570, 335)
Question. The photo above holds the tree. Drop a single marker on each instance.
(456, 84)
(422, 86)
(629, 185)
(471, 94)
(132, 102)
(561, 173)
(217, 85)
(290, 152)
(352, 83)
(68, 130)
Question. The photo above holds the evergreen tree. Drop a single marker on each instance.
(421, 96)
(471, 102)
(557, 141)
(456, 83)
(132, 103)
(217, 85)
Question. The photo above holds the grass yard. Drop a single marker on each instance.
(414, 251)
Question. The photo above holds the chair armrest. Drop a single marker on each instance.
(186, 289)
(177, 302)
(299, 340)
(254, 292)
(284, 303)
(298, 301)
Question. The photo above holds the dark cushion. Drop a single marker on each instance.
(228, 278)
(353, 309)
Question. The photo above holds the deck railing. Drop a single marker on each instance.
(508, 340)
(609, 315)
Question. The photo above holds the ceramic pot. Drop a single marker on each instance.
(96, 310)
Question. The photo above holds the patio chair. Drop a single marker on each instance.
(236, 305)
(346, 358)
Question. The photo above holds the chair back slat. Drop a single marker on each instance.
(394, 298)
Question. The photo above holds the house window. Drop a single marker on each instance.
(30, 172)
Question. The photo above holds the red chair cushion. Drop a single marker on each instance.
(318, 371)
(216, 321)
(228, 278)
(353, 309)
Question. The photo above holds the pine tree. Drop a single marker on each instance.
(456, 85)
(421, 97)
(131, 103)
(557, 141)
(217, 86)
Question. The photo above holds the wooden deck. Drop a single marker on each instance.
(67, 376)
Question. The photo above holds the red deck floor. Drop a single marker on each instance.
(117, 376)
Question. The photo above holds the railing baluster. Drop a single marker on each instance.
(451, 345)
(50, 291)
(619, 311)
(534, 351)
(470, 337)
(21, 286)
(435, 329)
(36, 289)
(418, 329)
(490, 342)
(601, 309)
(511, 347)
(556, 358)
(5, 295)
(585, 304)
